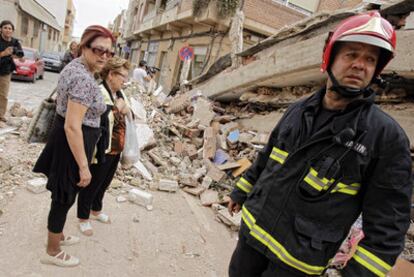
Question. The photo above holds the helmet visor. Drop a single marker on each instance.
(372, 40)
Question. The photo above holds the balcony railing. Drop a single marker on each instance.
(150, 15)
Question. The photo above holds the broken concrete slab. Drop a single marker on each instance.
(168, 185)
(216, 174)
(37, 185)
(196, 191)
(142, 170)
(209, 148)
(203, 112)
(228, 165)
(209, 197)
(232, 221)
(141, 198)
(261, 138)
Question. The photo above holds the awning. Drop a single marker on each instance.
(36, 10)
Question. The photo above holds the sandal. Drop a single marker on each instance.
(54, 260)
(86, 228)
(101, 217)
(69, 240)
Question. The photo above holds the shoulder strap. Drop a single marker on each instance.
(53, 93)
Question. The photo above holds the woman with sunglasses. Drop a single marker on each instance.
(67, 155)
(114, 75)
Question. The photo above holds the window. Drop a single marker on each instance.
(36, 29)
(152, 53)
(49, 34)
(25, 25)
(197, 64)
(304, 6)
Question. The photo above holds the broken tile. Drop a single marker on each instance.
(244, 165)
(221, 157)
(233, 136)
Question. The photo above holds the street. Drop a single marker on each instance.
(30, 95)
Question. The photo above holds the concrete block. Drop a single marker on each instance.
(168, 185)
(216, 174)
(194, 191)
(210, 143)
(37, 185)
(141, 198)
(209, 197)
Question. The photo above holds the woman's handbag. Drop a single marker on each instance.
(130, 154)
(42, 121)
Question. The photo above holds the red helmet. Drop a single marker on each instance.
(369, 28)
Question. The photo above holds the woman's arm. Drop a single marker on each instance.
(73, 129)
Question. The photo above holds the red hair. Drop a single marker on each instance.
(93, 32)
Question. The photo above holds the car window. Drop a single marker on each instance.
(28, 54)
(51, 56)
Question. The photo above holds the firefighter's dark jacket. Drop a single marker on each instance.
(306, 188)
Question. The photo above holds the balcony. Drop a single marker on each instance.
(178, 14)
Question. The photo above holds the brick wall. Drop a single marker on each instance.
(270, 13)
(332, 5)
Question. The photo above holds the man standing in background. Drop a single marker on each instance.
(9, 47)
(141, 76)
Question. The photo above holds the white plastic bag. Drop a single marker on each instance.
(130, 154)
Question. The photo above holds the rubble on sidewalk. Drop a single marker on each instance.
(37, 185)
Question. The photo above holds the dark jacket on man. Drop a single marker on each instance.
(307, 187)
(6, 63)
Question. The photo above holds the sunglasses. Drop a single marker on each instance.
(100, 52)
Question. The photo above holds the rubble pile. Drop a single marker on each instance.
(16, 156)
(191, 143)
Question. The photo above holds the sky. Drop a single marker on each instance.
(101, 12)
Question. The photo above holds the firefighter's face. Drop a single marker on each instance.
(354, 64)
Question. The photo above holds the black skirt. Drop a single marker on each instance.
(58, 163)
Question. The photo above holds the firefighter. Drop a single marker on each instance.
(330, 158)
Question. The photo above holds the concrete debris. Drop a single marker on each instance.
(16, 110)
(168, 185)
(209, 197)
(142, 170)
(244, 165)
(203, 112)
(121, 199)
(232, 221)
(141, 198)
(37, 185)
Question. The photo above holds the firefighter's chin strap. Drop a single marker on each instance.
(349, 92)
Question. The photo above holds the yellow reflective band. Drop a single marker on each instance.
(248, 218)
(276, 248)
(244, 185)
(279, 155)
(323, 184)
(371, 262)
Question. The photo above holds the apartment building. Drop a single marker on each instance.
(35, 26)
(69, 22)
(157, 29)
